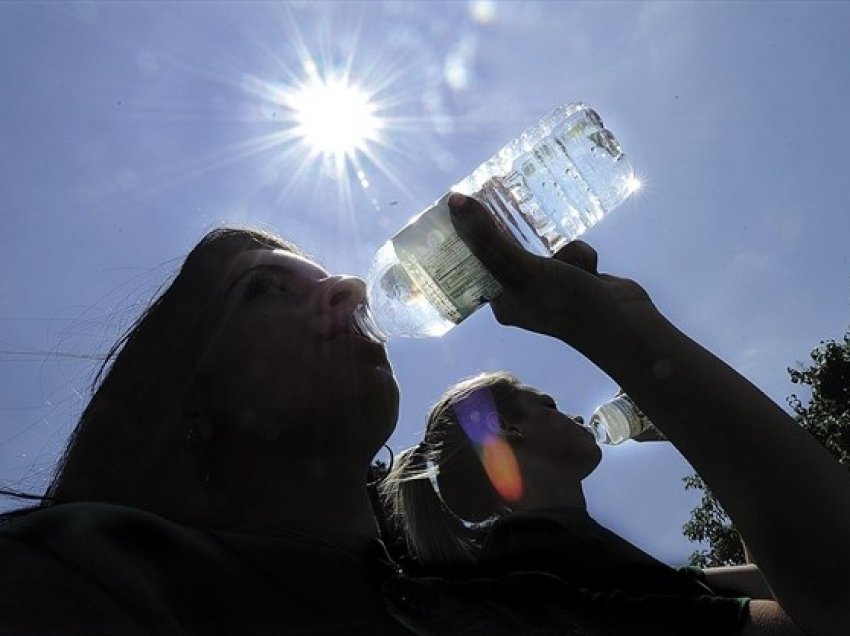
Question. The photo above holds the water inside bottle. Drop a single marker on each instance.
(396, 304)
(545, 189)
(554, 182)
(611, 425)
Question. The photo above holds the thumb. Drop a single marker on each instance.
(579, 254)
(497, 250)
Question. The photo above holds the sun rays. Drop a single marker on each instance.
(334, 116)
(328, 113)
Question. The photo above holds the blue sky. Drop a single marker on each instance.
(127, 130)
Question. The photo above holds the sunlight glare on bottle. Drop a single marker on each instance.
(633, 184)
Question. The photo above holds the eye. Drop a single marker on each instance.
(263, 282)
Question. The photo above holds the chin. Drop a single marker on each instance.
(373, 400)
(382, 408)
(594, 458)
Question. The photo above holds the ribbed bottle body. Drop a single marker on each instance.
(545, 188)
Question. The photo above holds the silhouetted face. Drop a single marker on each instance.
(521, 444)
(549, 432)
(286, 365)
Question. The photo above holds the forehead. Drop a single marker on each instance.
(293, 263)
(518, 396)
(529, 394)
(529, 391)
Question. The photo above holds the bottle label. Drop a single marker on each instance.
(440, 263)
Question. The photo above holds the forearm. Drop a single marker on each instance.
(786, 494)
(738, 580)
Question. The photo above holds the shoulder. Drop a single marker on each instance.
(88, 533)
(51, 560)
(568, 534)
(83, 517)
(105, 563)
(105, 568)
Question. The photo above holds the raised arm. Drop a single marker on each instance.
(786, 494)
(738, 580)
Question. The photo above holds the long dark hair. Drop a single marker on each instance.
(132, 443)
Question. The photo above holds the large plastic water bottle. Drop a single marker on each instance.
(545, 188)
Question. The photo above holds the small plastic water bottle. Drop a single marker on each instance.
(545, 188)
(620, 419)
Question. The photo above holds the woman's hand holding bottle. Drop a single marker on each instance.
(563, 296)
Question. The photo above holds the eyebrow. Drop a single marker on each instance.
(543, 398)
(276, 268)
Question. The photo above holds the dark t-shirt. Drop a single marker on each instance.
(622, 580)
(92, 568)
(559, 572)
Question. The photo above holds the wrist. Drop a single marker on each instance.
(639, 348)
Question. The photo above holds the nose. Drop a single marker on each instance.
(341, 294)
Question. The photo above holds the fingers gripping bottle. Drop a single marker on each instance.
(545, 188)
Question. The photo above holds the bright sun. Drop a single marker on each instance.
(333, 116)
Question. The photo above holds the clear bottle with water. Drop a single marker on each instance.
(545, 188)
(620, 419)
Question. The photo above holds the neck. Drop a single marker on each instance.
(319, 497)
(546, 486)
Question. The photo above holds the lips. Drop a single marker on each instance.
(354, 327)
(362, 323)
(340, 326)
(340, 330)
(362, 344)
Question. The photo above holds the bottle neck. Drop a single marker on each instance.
(365, 323)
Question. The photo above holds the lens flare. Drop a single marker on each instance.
(502, 468)
(475, 413)
(479, 419)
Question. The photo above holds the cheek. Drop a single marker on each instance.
(571, 439)
(247, 367)
(262, 351)
(585, 444)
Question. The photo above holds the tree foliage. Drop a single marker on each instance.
(826, 415)
(710, 524)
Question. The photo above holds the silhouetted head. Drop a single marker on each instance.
(247, 353)
(489, 448)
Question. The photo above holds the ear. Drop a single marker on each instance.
(508, 430)
(513, 433)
